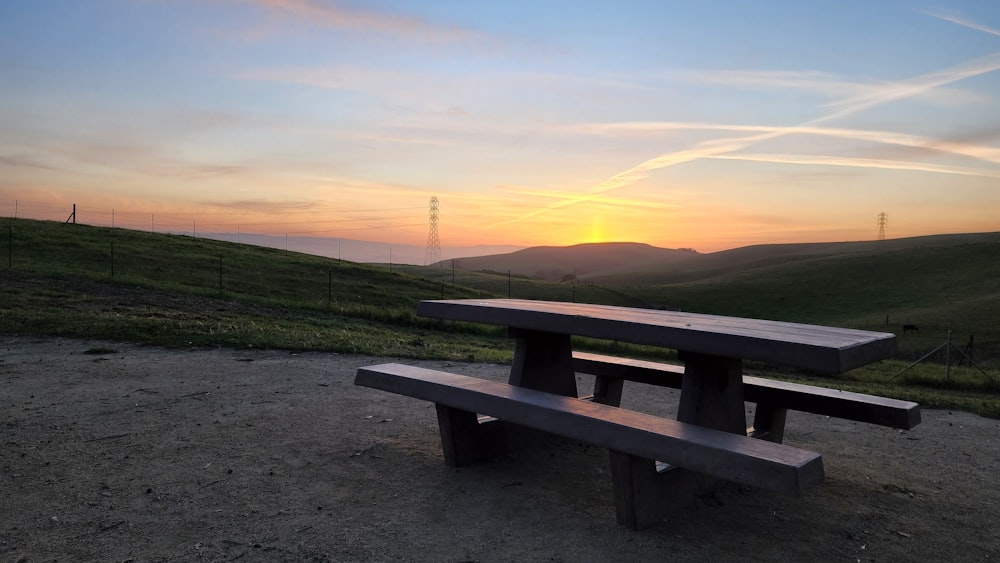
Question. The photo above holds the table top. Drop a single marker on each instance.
(823, 349)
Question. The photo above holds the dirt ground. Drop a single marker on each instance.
(118, 452)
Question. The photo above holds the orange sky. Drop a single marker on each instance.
(677, 126)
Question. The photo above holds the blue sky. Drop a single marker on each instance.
(708, 125)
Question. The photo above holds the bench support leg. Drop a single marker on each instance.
(465, 440)
(769, 422)
(712, 396)
(644, 495)
(608, 391)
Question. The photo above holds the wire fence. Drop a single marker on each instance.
(382, 254)
(123, 254)
(331, 238)
(202, 266)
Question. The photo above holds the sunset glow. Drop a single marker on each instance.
(702, 125)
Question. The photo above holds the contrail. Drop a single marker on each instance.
(861, 163)
(962, 22)
(980, 152)
(889, 92)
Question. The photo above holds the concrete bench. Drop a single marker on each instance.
(634, 439)
(773, 398)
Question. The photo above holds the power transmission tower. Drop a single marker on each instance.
(433, 254)
(883, 219)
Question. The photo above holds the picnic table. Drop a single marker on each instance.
(654, 460)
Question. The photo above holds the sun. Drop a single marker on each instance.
(596, 232)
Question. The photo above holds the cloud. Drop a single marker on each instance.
(908, 88)
(18, 160)
(885, 93)
(820, 83)
(359, 79)
(861, 163)
(134, 155)
(426, 91)
(259, 214)
(808, 81)
(962, 22)
(985, 153)
(340, 17)
(194, 170)
(262, 206)
(200, 119)
(603, 199)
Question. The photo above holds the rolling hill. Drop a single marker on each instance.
(948, 285)
(114, 283)
(558, 263)
(634, 264)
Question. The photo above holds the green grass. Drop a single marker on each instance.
(181, 291)
(75, 280)
(939, 289)
(522, 287)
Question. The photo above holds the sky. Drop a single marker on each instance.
(708, 125)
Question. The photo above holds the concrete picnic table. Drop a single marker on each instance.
(710, 435)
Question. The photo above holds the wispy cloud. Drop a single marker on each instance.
(902, 89)
(861, 163)
(815, 82)
(358, 79)
(264, 206)
(341, 17)
(131, 155)
(20, 160)
(604, 199)
(964, 22)
(885, 93)
(985, 153)
(822, 84)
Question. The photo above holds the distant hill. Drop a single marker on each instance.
(354, 250)
(641, 264)
(561, 263)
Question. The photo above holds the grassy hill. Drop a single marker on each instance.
(581, 261)
(76, 280)
(631, 264)
(934, 285)
(173, 290)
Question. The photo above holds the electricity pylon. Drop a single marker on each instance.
(433, 254)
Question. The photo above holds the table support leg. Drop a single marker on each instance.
(712, 393)
(543, 361)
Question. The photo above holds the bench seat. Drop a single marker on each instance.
(770, 395)
(732, 457)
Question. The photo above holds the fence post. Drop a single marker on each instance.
(220, 273)
(10, 246)
(947, 356)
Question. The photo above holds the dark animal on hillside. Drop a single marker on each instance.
(910, 328)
